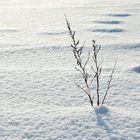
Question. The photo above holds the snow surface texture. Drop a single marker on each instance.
(38, 98)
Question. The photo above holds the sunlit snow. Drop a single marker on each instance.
(38, 97)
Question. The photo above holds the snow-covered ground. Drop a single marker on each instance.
(38, 97)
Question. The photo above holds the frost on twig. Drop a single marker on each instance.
(81, 67)
(84, 71)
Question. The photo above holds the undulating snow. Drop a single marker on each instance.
(38, 97)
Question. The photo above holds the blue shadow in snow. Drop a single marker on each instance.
(108, 22)
(137, 69)
(103, 120)
(119, 15)
(115, 30)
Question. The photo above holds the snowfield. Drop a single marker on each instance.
(38, 97)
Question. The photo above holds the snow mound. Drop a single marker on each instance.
(101, 110)
(137, 69)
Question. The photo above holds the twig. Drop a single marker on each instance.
(77, 51)
(109, 82)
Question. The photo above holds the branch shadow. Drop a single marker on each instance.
(103, 120)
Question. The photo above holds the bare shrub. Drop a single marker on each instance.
(83, 69)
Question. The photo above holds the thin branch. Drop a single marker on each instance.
(92, 80)
(93, 70)
(109, 82)
(82, 88)
(87, 60)
(90, 99)
(79, 70)
(97, 69)
(100, 63)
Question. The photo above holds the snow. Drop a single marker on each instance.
(38, 97)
